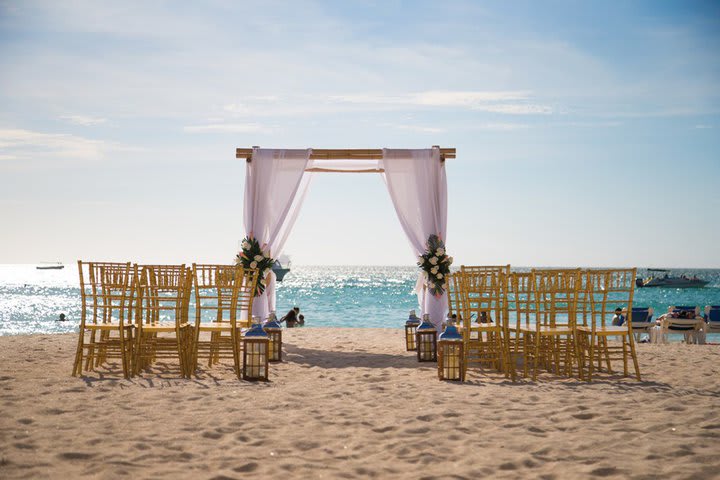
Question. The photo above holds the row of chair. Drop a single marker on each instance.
(557, 319)
(140, 313)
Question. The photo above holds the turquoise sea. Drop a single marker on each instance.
(31, 300)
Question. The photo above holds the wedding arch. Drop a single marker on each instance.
(277, 180)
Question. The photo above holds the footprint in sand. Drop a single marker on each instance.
(75, 456)
(584, 416)
(247, 468)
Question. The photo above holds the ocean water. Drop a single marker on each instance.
(31, 300)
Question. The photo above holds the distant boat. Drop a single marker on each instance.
(661, 278)
(50, 266)
(281, 267)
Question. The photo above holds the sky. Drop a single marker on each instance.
(587, 132)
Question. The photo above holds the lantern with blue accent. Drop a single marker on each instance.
(410, 329)
(451, 354)
(274, 330)
(256, 353)
(426, 337)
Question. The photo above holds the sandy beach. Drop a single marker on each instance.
(351, 403)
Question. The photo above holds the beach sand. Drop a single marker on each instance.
(351, 403)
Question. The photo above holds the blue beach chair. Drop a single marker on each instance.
(682, 320)
(642, 321)
(712, 317)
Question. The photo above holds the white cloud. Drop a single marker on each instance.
(84, 120)
(500, 126)
(414, 128)
(703, 127)
(227, 128)
(20, 144)
(504, 102)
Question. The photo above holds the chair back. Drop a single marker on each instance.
(641, 315)
(554, 294)
(453, 287)
(107, 292)
(483, 296)
(165, 293)
(713, 313)
(608, 290)
(520, 305)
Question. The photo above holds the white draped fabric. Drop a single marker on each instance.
(417, 185)
(275, 185)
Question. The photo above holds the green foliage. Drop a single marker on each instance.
(255, 257)
(436, 264)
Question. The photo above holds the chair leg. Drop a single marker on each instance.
(77, 367)
(633, 353)
(625, 356)
(591, 357)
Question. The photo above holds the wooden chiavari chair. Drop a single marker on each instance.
(163, 330)
(107, 294)
(453, 287)
(225, 291)
(483, 299)
(606, 290)
(551, 341)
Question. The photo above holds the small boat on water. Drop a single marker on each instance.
(661, 278)
(50, 266)
(281, 267)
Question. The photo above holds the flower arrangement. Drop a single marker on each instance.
(254, 256)
(436, 264)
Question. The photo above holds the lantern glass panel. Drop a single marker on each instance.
(427, 346)
(255, 359)
(451, 361)
(410, 331)
(275, 346)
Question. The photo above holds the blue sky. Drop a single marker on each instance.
(588, 133)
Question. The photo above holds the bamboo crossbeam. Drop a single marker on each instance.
(344, 154)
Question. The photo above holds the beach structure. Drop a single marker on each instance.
(276, 181)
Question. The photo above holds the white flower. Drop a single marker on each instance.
(253, 264)
(258, 258)
(421, 260)
(245, 245)
(440, 252)
(449, 260)
(266, 254)
(266, 271)
(433, 260)
(439, 275)
(434, 270)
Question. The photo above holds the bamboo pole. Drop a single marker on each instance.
(344, 154)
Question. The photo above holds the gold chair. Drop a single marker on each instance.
(163, 330)
(226, 291)
(520, 307)
(453, 288)
(107, 292)
(483, 298)
(605, 291)
(551, 340)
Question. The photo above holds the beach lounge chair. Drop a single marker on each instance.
(604, 292)
(712, 318)
(226, 293)
(642, 321)
(484, 318)
(107, 292)
(163, 330)
(551, 340)
(684, 320)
